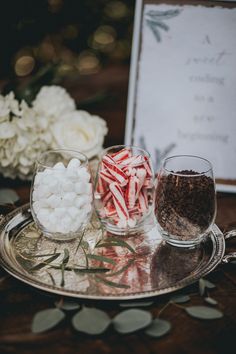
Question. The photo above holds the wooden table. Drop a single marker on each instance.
(19, 302)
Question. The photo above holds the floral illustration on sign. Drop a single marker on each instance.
(159, 154)
(155, 20)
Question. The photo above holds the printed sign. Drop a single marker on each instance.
(185, 86)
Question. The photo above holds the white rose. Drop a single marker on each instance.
(53, 101)
(81, 131)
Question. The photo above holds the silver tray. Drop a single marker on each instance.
(154, 269)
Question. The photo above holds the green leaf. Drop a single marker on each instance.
(202, 286)
(204, 312)
(210, 301)
(158, 328)
(63, 265)
(91, 321)
(46, 319)
(91, 270)
(180, 299)
(111, 283)
(209, 284)
(114, 242)
(101, 258)
(120, 271)
(67, 305)
(45, 262)
(136, 304)
(8, 196)
(51, 278)
(131, 320)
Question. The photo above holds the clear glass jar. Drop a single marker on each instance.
(185, 205)
(61, 195)
(124, 190)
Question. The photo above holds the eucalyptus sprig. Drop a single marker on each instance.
(93, 321)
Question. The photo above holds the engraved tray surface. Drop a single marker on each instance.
(155, 268)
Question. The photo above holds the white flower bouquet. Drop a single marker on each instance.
(52, 121)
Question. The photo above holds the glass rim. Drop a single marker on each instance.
(123, 146)
(54, 151)
(197, 174)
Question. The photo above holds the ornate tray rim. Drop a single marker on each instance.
(215, 259)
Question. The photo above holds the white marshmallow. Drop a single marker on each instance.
(54, 201)
(43, 203)
(83, 174)
(38, 178)
(60, 212)
(43, 191)
(87, 208)
(72, 211)
(74, 164)
(79, 202)
(59, 166)
(43, 215)
(68, 199)
(67, 220)
(83, 188)
(71, 174)
(67, 185)
(36, 206)
(35, 195)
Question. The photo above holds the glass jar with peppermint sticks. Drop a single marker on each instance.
(124, 189)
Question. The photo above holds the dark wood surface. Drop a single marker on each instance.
(19, 302)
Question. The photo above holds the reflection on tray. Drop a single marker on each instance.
(101, 265)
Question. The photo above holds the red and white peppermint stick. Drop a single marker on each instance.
(119, 210)
(107, 177)
(143, 201)
(106, 197)
(119, 200)
(148, 183)
(115, 171)
(121, 155)
(110, 210)
(129, 171)
(101, 187)
(147, 166)
(134, 211)
(131, 190)
(133, 160)
(141, 174)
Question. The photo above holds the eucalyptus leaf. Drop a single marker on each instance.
(91, 270)
(46, 319)
(210, 301)
(136, 304)
(63, 265)
(180, 299)
(158, 328)
(120, 271)
(91, 321)
(51, 278)
(201, 285)
(209, 284)
(8, 196)
(101, 258)
(131, 320)
(45, 262)
(114, 242)
(68, 305)
(204, 312)
(111, 283)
